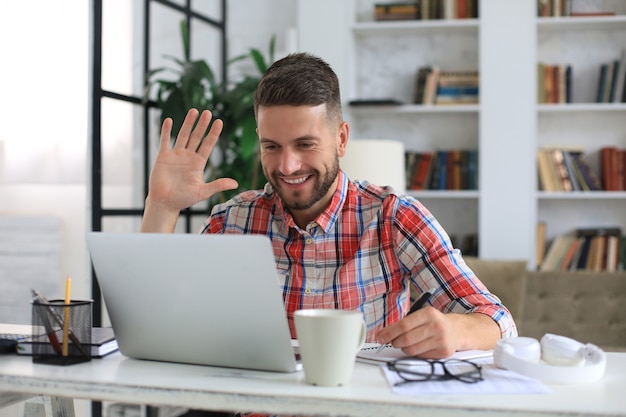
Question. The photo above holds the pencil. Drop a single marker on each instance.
(66, 316)
(59, 321)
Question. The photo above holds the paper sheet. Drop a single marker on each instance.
(495, 381)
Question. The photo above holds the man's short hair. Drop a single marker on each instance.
(300, 79)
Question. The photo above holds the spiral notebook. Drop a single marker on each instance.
(389, 354)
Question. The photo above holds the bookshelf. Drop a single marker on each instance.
(584, 43)
(379, 60)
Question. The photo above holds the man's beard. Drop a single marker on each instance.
(320, 188)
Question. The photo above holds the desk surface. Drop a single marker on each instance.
(117, 378)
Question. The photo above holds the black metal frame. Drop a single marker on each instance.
(98, 212)
(98, 93)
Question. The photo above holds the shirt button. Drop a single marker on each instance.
(308, 241)
(307, 291)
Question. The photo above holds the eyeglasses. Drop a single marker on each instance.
(418, 370)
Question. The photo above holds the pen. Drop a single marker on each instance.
(59, 320)
(52, 337)
(419, 303)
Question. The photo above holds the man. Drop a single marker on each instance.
(337, 244)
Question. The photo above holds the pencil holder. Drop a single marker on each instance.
(61, 332)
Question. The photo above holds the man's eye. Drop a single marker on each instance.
(305, 145)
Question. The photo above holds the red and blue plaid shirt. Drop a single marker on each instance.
(362, 253)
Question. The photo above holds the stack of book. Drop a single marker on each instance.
(590, 249)
(455, 169)
(565, 170)
(397, 11)
(433, 86)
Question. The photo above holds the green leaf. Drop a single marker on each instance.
(184, 33)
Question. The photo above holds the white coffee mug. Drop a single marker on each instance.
(329, 340)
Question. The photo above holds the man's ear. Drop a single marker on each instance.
(343, 133)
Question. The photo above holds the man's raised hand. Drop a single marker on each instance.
(177, 178)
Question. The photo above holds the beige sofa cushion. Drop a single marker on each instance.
(587, 306)
(506, 279)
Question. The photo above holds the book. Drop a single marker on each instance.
(556, 251)
(546, 180)
(411, 158)
(541, 83)
(565, 184)
(103, 342)
(620, 79)
(612, 253)
(572, 174)
(590, 178)
(430, 87)
(541, 243)
(569, 254)
(594, 255)
(420, 84)
(421, 172)
(609, 168)
(621, 259)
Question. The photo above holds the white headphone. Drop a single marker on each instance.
(557, 359)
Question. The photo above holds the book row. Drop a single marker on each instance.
(434, 86)
(558, 8)
(426, 10)
(554, 82)
(568, 170)
(442, 170)
(593, 249)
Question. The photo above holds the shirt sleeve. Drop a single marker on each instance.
(426, 251)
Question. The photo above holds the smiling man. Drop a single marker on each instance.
(337, 243)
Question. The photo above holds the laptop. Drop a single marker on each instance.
(196, 299)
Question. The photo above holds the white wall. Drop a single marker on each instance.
(44, 118)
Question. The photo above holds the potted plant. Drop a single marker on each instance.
(195, 86)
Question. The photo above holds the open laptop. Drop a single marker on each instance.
(198, 299)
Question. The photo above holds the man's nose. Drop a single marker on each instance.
(290, 162)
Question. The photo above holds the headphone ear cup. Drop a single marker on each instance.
(561, 351)
(525, 348)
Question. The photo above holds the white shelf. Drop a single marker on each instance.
(445, 194)
(582, 195)
(581, 107)
(415, 109)
(581, 23)
(417, 26)
(584, 43)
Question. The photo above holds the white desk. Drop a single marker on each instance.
(116, 378)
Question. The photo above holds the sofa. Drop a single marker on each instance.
(587, 306)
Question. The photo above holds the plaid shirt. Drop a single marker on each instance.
(362, 253)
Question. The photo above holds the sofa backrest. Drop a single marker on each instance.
(505, 279)
(587, 306)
